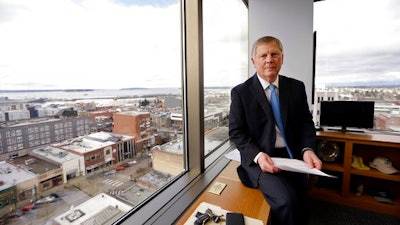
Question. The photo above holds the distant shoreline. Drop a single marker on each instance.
(49, 90)
(87, 90)
(87, 94)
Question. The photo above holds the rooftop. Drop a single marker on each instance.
(91, 142)
(134, 113)
(101, 209)
(55, 154)
(212, 140)
(12, 174)
(34, 164)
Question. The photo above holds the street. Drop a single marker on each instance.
(80, 189)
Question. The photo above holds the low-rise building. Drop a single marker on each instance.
(101, 209)
(72, 164)
(48, 174)
(100, 149)
(168, 158)
(15, 184)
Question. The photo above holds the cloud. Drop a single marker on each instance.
(225, 42)
(358, 42)
(154, 3)
(114, 43)
(88, 44)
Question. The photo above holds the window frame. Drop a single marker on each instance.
(170, 203)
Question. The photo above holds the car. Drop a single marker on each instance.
(133, 162)
(111, 172)
(50, 198)
(120, 168)
(28, 207)
(15, 214)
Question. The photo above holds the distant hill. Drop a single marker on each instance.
(135, 88)
(366, 84)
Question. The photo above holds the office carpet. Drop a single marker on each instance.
(324, 213)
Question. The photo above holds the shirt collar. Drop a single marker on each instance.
(265, 84)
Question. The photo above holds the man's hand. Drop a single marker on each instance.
(312, 160)
(266, 164)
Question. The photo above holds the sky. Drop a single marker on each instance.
(358, 41)
(113, 44)
(51, 44)
(65, 44)
(105, 44)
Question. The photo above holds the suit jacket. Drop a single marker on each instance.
(252, 125)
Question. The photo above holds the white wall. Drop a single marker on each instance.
(292, 22)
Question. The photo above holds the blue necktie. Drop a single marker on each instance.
(277, 114)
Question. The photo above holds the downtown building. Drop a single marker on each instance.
(18, 138)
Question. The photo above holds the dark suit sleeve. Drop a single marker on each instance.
(238, 129)
(251, 124)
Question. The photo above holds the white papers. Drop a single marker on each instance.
(293, 165)
(233, 155)
(296, 165)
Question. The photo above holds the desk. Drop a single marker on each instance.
(235, 197)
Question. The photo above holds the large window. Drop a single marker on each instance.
(356, 55)
(88, 94)
(96, 101)
(225, 65)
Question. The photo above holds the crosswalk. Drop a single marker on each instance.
(116, 192)
(113, 182)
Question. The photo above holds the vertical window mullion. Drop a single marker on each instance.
(193, 86)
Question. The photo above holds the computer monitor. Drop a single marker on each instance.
(344, 114)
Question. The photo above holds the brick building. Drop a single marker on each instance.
(138, 125)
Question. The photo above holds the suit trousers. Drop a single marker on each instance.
(287, 194)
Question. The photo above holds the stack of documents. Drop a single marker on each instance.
(293, 165)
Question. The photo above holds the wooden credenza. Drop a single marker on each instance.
(235, 197)
(346, 188)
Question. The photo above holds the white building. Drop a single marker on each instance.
(72, 164)
(21, 114)
(101, 209)
(322, 95)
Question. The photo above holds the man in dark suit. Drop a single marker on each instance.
(256, 134)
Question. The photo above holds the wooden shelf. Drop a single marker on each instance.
(363, 202)
(367, 146)
(235, 197)
(376, 174)
(333, 167)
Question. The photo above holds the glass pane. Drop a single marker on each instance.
(88, 92)
(357, 44)
(225, 64)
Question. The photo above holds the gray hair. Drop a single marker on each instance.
(264, 40)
